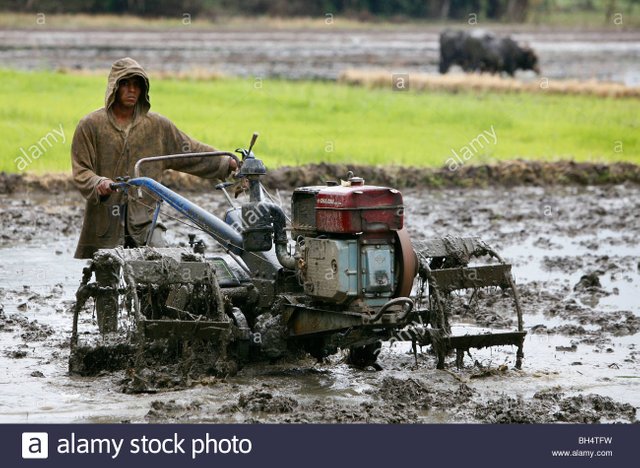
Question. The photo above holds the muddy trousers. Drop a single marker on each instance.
(108, 278)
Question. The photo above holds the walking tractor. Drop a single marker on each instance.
(342, 273)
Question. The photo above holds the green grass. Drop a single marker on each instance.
(300, 121)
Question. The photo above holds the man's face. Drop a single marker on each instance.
(129, 90)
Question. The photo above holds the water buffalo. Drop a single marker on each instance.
(482, 51)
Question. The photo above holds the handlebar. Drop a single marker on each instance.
(115, 186)
(122, 184)
(170, 157)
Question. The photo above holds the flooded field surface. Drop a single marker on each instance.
(576, 261)
(308, 54)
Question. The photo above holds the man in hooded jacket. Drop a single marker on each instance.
(107, 144)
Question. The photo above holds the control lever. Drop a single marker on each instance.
(117, 185)
(253, 141)
(198, 246)
(223, 186)
(247, 152)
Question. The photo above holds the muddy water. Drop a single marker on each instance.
(581, 353)
(311, 54)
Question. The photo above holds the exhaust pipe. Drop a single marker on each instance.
(280, 237)
(260, 221)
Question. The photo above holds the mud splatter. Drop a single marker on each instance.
(554, 236)
(550, 406)
(500, 174)
(263, 401)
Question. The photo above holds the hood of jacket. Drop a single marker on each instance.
(126, 68)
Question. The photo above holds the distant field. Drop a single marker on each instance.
(566, 16)
(311, 122)
(486, 83)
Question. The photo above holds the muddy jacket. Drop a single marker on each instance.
(102, 150)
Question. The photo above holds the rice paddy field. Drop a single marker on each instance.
(319, 121)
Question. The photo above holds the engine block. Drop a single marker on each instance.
(341, 270)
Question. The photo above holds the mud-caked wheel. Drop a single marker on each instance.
(365, 356)
(107, 276)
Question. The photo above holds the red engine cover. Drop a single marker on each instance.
(359, 208)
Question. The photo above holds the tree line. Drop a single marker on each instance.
(498, 10)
